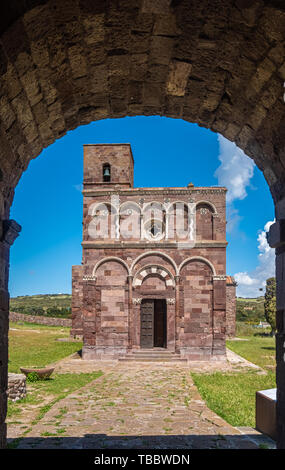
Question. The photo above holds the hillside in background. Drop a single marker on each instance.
(59, 305)
(250, 310)
(52, 305)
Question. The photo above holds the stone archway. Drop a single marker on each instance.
(217, 63)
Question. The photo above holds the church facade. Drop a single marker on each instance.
(153, 272)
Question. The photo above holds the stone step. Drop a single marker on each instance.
(149, 356)
(151, 359)
(152, 355)
(152, 351)
(162, 358)
(149, 353)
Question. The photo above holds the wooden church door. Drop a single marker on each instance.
(147, 315)
(153, 323)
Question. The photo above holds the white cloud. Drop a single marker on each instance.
(250, 283)
(235, 173)
(245, 279)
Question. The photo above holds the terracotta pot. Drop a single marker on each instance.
(43, 373)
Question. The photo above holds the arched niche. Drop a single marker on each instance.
(204, 221)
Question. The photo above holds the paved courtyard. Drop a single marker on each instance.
(137, 405)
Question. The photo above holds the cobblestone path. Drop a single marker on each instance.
(135, 406)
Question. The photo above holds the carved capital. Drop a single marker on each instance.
(89, 278)
(220, 277)
(137, 301)
(11, 230)
(170, 301)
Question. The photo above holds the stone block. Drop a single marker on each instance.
(178, 77)
(16, 386)
(276, 234)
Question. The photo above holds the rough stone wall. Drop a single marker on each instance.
(154, 254)
(9, 230)
(204, 222)
(40, 320)
(195, 329)
(108, 300)
(219, 317)
(16, 387)
(217, 63)
(120, 158)
(153, 283)
(231, 309)
(113, 276)
(4, 327)
(120, 269)
(215, 197)
(276, 240)
(105, 335)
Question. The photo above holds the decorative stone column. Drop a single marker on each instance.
(117, 227)
(9, 231)
(76, 301)
(276, 239)
(130, 313)
(177, 312)
(166, 225)
(171, 323)
(89, 317)
(141, 226)
(215, 222)
(219, 316)
(136, 308)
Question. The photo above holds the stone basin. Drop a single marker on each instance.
(43, 372)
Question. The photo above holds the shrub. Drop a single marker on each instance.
(33, 377)
(270, 303)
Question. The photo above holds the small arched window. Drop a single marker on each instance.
(106, 173)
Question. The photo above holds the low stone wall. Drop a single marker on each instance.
(16, 386)
(40, 320)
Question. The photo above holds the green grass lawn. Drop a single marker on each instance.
(232, 395)
(259, 349)
(36, 345)
(49, 391)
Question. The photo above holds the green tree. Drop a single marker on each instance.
(270, 303)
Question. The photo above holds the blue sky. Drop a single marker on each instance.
(167, 152)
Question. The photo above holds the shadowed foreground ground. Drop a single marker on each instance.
(139, 405)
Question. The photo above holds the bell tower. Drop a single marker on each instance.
(108, 166)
